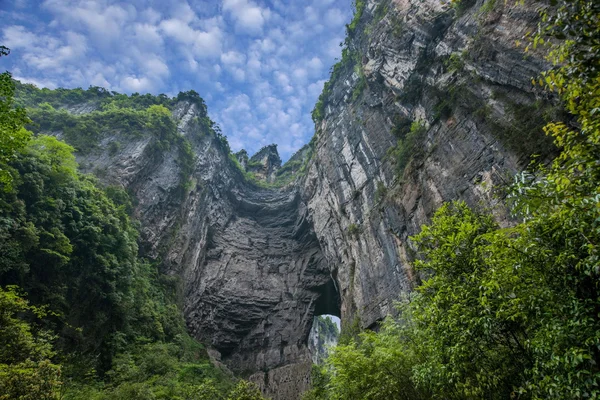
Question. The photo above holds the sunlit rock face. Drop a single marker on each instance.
(323, 337)
(254, 265)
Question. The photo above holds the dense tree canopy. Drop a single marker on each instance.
(513, 312)
(81, 315)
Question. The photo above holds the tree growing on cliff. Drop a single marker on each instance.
(13, 136)
(510, 313)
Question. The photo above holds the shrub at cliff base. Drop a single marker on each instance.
(505, 312)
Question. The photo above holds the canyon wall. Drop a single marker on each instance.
(431, 102)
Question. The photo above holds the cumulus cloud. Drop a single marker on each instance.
(17, 37)
(136, 84)
(259, 64)
(248, 16)
(178, 30)
(232, 57)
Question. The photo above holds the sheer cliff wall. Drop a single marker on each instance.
(430, 103)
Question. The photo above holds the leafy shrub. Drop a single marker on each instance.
(26, 371)
(409, 147)
(353, 230)
(380, 192)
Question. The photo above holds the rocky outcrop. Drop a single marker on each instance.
(464, 82)
(324, 335)
(255, 265)
(265, 163)
(252, 271)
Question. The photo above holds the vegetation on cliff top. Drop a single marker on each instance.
(82, 316)
(350, 59)
(504, 312)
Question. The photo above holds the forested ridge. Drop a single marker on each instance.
(500, 313)
(82, 314)
(504, 313)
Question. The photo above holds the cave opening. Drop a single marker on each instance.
(326, 325)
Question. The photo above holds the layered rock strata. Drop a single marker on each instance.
(256, 265)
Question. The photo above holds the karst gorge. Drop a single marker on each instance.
(447, 210)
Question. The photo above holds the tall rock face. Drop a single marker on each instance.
(450, 85)
(430, 103)
(324, 335)
(265, 163)
(263, 166)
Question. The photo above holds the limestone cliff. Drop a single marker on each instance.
(256, 264)
(457, 73)
(324, 335)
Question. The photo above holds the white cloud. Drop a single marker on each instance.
(21, 3)
(150, 16)
(148, 36)
(239, 74)
(232, 58)
(208, 44)
(100, 80)
(204, 44)
(178, 30)
(183, 11)
(135, 84)
(103, 23)
(300, 74)
(260, 68)
(17, 37)
(265, 45)
(282, 79)
(156, 67)
(249, 17)
(315, 66)
(41, 83)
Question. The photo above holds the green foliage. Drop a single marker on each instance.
(160, 371)
(505, 312)
(353, 230)
(362, 82)
(461, 6)
(13, 136)
(319, 379)
(290, 169)
(58, 227)
(119, 331)
(408, 146)
(245, 391)
(349, 60)
(487, 7)
(524, 132)
(380, 12)
(377, 366)
(29, 95)
(115, 320)
(359, 8)
(135, 115)
(455, 62)
(114, 147)
(328, 327)
(470, 347)
(350, 330)
(193, 97)
(327, 334)
(26, 371)
(296, 165)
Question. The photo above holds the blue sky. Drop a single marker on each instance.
(260, 65)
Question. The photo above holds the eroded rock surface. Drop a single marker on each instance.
(256, 264)
(464, 80)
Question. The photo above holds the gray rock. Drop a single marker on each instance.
(256, 265)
